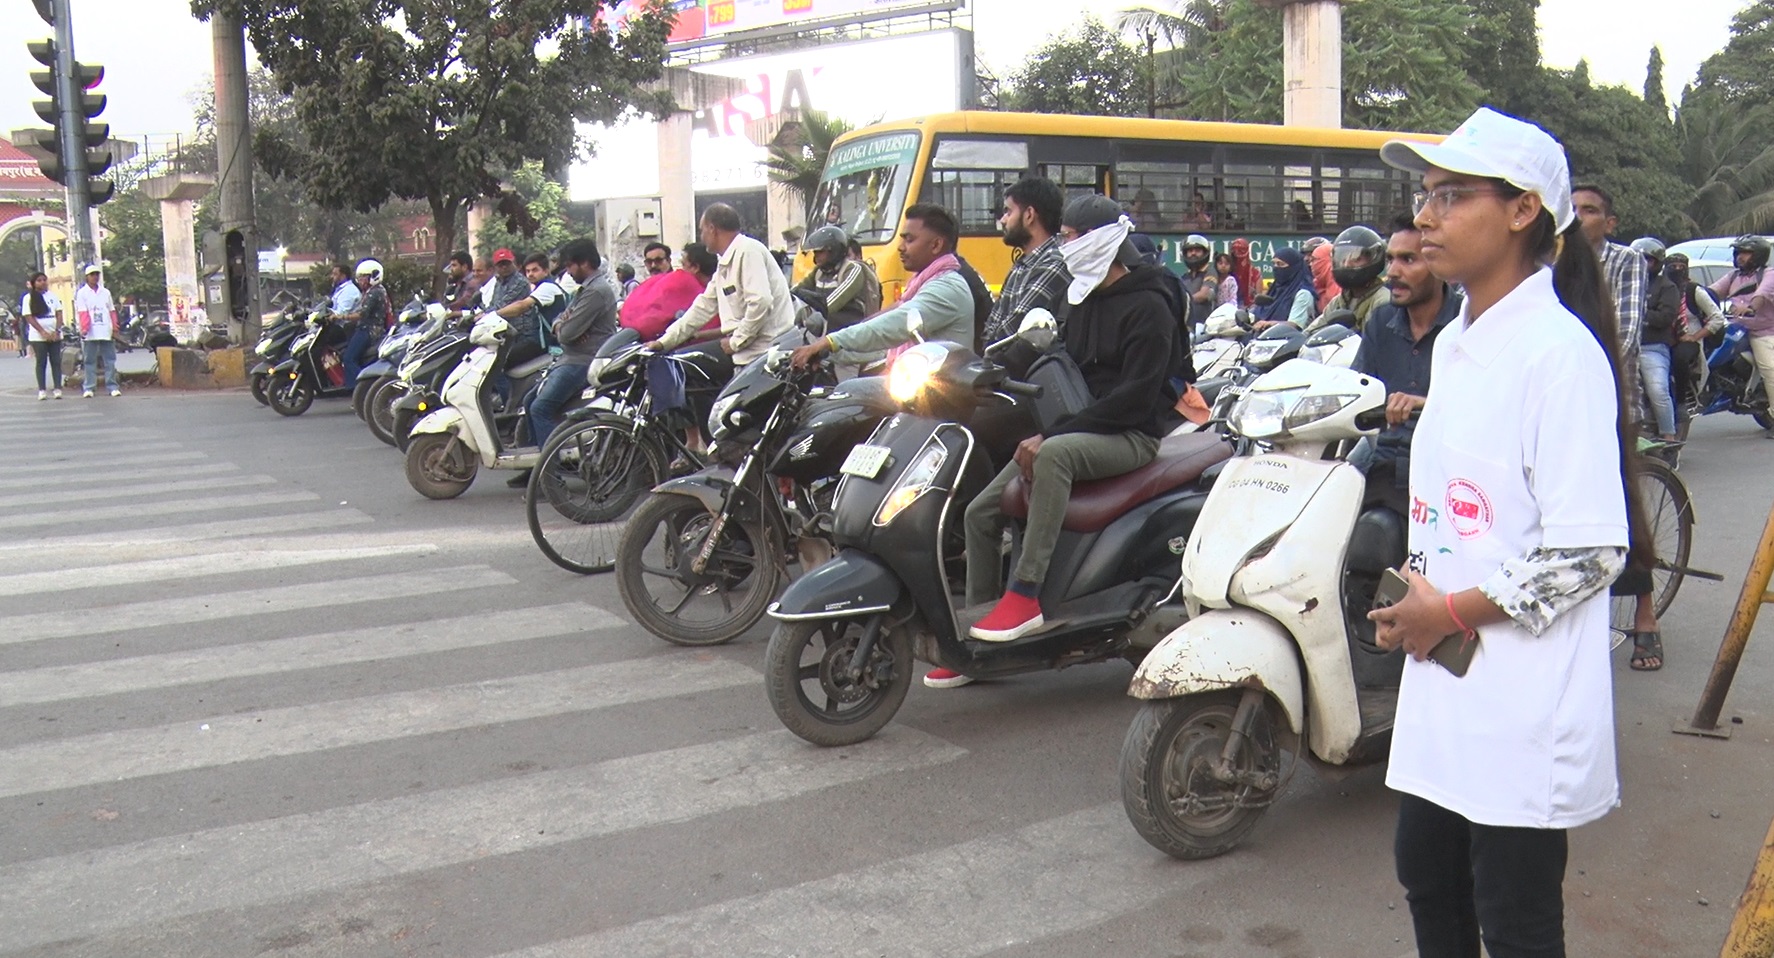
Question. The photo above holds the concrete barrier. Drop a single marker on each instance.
(182, 368)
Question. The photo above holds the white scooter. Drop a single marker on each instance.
(1217, 350)
(451, 443)
(1278, 655)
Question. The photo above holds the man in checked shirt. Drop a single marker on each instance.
(1627, 277)
(1039, 278)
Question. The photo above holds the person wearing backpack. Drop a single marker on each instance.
(945, 293)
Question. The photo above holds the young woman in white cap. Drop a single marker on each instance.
(1519, 521)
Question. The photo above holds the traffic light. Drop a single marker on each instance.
(86, 136)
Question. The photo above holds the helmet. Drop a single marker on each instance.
(1358, 258)
(1227, 321)
(1650, 246)
(1756, 246)
(370, 268)
(828, 238)
(1196, 239)
(1315, 242)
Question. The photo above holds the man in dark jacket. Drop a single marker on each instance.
(588, 320)
(1122, 334)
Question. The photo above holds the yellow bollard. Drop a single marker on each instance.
(1752, 931)
(1743, 620)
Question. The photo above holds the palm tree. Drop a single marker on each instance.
(797, 155)
(1182, 26)
(1728, 159)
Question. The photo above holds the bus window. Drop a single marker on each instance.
(1076, 179)
(1362, 191)
(1265, 193)
(1168, 197)
(864, 185)
(976, 197)
(957, 154)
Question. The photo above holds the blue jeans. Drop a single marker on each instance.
(93, 350)
(563, 382)
(354, 347)
(1653, 367)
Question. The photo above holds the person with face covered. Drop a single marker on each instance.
(1122, 335)
(1697, 317)
(1250, 279)
(1358, 266)
(846, 289)
(1292, 297)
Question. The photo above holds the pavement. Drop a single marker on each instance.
(258, 697)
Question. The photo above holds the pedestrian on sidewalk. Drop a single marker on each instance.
(96, 313)
(40, 312)
(1521, 531)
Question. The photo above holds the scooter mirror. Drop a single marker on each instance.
(914, 324)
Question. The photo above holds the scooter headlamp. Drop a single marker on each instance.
(914, 482)
(1274, 414)
(1262, 351)
(912, 370)
(265, 348)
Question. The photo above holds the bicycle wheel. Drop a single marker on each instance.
(591, 475)
(1669, 516)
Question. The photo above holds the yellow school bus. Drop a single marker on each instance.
(1271, 185)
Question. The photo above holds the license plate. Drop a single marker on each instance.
(865, 461)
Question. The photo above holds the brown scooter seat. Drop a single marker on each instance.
(1097, 502)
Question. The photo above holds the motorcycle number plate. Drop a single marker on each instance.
(865, 461)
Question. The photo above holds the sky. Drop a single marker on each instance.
(155, 54)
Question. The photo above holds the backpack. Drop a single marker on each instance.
(982, 302)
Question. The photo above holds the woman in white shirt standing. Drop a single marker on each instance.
(40, 313)
(1519, 488)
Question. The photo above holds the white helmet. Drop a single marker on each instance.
(372, 269)
(1227, 321)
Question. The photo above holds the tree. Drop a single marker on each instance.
(797, 158)
(1503, 51)
(1728, 161)
(441, 100)
(542, 226)
(1654, 97)
(1088, 71)
(1743, 72)
(1404, 63)
(134, 247)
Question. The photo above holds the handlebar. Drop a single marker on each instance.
(1016, 388)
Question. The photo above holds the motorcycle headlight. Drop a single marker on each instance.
(1272, 415)
(717, 417)
(1263, 350)
(914, 482)
(909, 374)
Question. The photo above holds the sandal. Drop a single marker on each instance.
(1647, 651)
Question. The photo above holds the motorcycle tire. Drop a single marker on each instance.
(744, 558)
(258, 385)
(1764, 420)
(379, 409)
(290, 398)
(439, 466)
(854, 710)
(360, 396)
(1176, 739)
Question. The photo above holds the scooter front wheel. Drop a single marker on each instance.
(290, 397)
(815, 692)
(1169, 784)
(439, 466)
(378, 410)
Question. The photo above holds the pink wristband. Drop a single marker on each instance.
(1456, 616)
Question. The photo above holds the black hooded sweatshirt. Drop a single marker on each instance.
(1123, 338)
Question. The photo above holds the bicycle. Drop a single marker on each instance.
(1669, 513)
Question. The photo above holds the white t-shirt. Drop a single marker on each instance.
(94, 312)
(1516, 450)
(24, 309)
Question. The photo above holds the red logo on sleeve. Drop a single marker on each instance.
(1469, 509)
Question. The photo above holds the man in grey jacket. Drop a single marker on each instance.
(589, 320)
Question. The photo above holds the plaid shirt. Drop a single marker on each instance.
(1628, 277)
(1039, 279)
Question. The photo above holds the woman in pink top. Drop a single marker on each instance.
(661, 299)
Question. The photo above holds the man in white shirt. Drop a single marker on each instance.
(96, 314)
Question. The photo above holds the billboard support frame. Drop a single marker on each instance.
(937, 15)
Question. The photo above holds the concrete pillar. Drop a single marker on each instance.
(178, 195)
(476, 220)
(1312, 61)
(677, 189)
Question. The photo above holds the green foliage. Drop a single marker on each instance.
(536, 223)
(403, 278)
(1404, 63)
(1728, 159)
(1503, 51)
(1088, 71)
(18, 260)
(440, 100)
(134, 251)
(1743, 72)
(1654, 97)
(797, 158)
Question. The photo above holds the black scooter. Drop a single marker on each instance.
(314, 369)
(842, 656)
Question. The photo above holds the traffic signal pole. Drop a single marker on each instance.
(73, 147)
(234, 156)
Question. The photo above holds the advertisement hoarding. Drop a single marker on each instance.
(714, 20)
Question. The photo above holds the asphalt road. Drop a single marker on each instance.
(257, 697)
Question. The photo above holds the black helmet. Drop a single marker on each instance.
(1358, 258)
(1650, 246)
(828, 238)
(1757, 247)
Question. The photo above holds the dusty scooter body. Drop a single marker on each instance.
(1277, 656)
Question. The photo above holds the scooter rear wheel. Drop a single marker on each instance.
(290, 397)
(259, 383)
(806, 677)
(439, 466)
(1167, 787)
(378, 410)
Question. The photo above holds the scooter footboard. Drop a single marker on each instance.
(853, 583)
(1224, 649)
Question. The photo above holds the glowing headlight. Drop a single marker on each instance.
(914, 482)
(909, 374)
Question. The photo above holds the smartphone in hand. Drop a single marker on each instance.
(1454, 652)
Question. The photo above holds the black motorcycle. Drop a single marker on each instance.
(705, 553)
(842, 656)
(313, 370)
(273, 348)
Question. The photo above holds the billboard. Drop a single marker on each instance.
(844, 80)
(714, 20)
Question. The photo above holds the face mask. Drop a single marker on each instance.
(1677, 276)
(1089, 257)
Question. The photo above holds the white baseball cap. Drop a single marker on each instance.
(92, 268)
(1497, 145)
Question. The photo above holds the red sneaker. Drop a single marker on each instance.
(946, 679)
(1012, 618)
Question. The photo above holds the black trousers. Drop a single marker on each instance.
(48, 355)
(1466, 881)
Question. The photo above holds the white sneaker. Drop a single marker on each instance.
(86, 395)
(41, 395)
(115, 392)
(58, 394)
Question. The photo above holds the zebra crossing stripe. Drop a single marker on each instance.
(975, 898)
(97, 513)
(279, 526)
(192, 471)
(36, 467)
(154, 488)
(93, 892)
(187, 610)
(272, 656)
(184, 567)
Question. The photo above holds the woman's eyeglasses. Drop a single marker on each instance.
(1442, 198)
